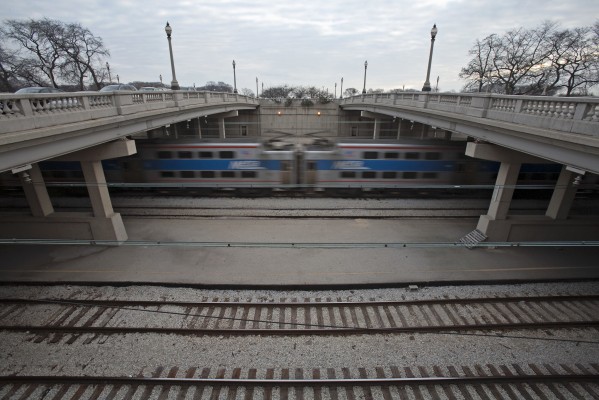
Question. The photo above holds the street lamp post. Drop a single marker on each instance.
(234, 79)
(257, 94)
(427, 84)
(335, 90)
(108, 68)
(169, 30)
(365, 66)
(341, 91)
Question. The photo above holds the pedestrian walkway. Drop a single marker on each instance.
(291, 252)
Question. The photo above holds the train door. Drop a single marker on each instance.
(286, 172)
(310, 172)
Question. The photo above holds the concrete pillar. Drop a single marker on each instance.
(507, 177)
(563, 195)
(199, 129)
(36, 192)
(221, 128)
(377, 129)
(399, 129)
(97, 188)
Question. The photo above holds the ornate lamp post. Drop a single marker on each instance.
(365, 66)
(427, 84)
(108, 68)
(234, 79)
(341, 91)
(174, 83)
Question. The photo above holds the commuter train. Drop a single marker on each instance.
(320, 165)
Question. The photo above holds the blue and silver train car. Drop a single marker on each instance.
(229, 164)
(390, 163)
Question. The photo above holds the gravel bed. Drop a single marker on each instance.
(129, 354)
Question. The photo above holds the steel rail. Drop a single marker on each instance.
(296, 304)
(435, 380)
(291, 331)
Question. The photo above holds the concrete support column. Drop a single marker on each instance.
(36, 192)
(221, 128)
(507, 177)
(199, 129)
(97, 188)
(563, 195)
(377, 129)
(399, 129)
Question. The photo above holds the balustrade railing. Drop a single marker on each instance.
(29, 111)
(573, 115)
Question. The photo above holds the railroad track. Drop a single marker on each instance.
(58, 320)
(476, 382)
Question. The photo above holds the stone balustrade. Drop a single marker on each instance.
(31, 111)
(579, 115)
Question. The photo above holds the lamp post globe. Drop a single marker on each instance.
(427, 83)
(365, 66)
(169, 30)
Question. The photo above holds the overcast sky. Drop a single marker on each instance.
(307, 42)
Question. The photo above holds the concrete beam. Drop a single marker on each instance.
(228, 114)
(118, 148)
(491, 152)
(371, 115)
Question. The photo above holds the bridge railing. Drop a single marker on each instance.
(578, 115)
(44, 110)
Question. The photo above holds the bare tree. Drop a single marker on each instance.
(350, 92)
(48, 52)
(247, 92)
(574, 60)
(84, 55)
(479, 69)
(542, 60)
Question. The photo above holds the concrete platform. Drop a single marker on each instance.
(265, 265)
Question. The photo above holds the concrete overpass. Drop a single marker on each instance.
(511, 130)
(88, 127)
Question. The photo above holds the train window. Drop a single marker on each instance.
(227, 174)
(411, 155)
(392, 155)
(187, 174)
(389, 175)
(409, 175)
(207, 174)
(248, 174)
(368, 174)
(538, 176)
(429, 175)
(432, 155)
(226, 154)
(167, 174)
(77, 174)
(184, 154)
(244, 130)
(354, 131)
(371, 155)
(165, 154)
(522, 176)
(205, 154)
(311, 165)
(348, 174)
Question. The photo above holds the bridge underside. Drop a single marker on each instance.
(44, 223)
(555, 225)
